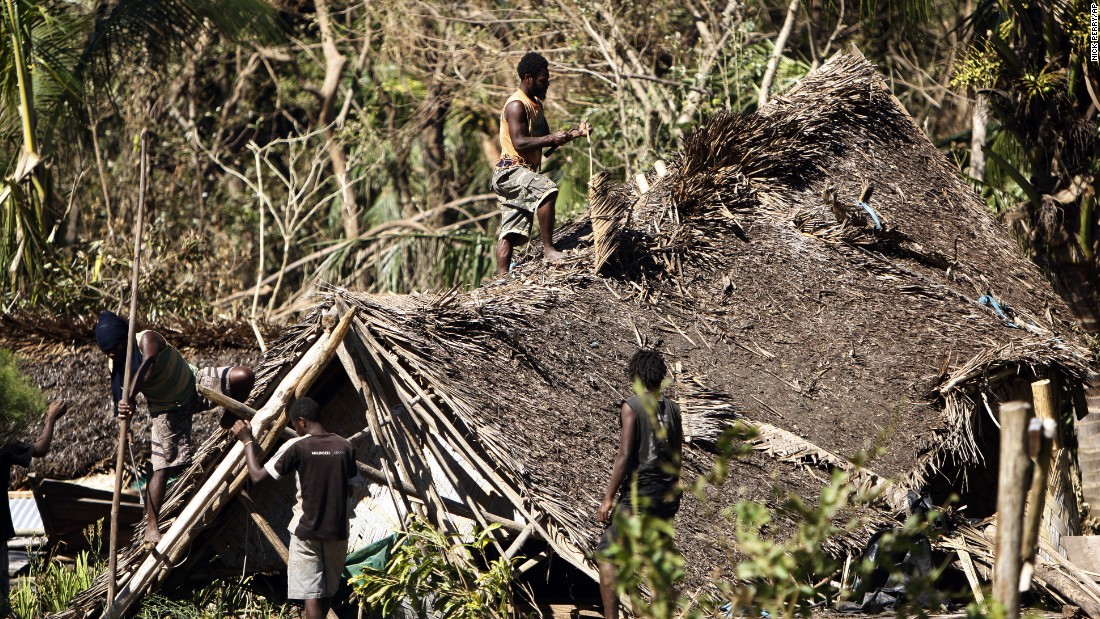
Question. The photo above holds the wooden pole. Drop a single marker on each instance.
(1042, 393)
(1010, 507)
(1040, 438)
(124, 422)
(243, 411)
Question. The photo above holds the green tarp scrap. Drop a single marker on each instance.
(372, 557)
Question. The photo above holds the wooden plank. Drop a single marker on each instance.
(971, 574)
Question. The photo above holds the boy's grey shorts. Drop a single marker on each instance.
(313, 567)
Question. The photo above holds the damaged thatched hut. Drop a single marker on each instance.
(891, 326)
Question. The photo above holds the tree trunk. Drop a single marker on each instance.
(335, 62)
(978, 122)
(777, 53)
(440, 175)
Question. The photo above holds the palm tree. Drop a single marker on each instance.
(54, 55)
(1030, 63)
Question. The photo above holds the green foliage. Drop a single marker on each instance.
(219, 598)
(20, 400)
(785, 577)
(646, 554)
(439, 572)
(978, 68)
(53, 584)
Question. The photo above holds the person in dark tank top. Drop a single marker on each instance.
(647, 466)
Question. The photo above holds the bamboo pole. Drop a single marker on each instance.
(229, 476)
(397, 470)
(241, 410)
(124, 422)
(409, 401)
(414, 466)
(1010, 507)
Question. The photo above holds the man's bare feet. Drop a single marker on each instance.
(152, 535)
(549, 253)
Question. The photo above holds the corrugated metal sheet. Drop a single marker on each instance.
(24, 514)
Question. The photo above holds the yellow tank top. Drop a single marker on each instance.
(536, 126)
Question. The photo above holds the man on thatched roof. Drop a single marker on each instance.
(20, 454)
(168, 382)
(324, 467)
(647, 468)
(523, 191)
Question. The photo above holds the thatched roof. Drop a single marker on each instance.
(834, 337)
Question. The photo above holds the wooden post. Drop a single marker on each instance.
(1040, 438)
(1010, 507)
(1042, 393)
(124, 422)
(241, 410)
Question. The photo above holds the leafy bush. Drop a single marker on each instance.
(440, 573)
(220, 598)
(20, 399)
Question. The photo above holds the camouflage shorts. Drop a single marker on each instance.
(171, 432)
(520, 191)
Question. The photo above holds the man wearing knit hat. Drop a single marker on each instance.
(168, 383)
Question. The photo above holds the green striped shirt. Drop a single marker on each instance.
(171, 384)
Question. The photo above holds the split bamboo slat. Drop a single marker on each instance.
(370, 411)
(426, 438)
(228, 478)
(386, 437)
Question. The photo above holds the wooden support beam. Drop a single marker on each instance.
(1010, 506)
(1046, 407)
(1040, 439)
(354, 367)
(241, 410)
(529, 564)
(269, 534)
(520, 540)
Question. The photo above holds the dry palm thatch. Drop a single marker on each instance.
(607, 211)
(834, 336)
